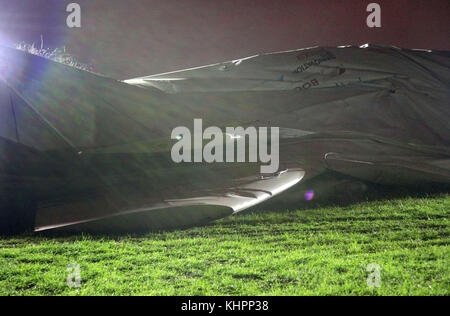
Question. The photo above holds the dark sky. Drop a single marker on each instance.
(129, 38)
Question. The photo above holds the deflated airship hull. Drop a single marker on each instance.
(374, 113)
(82, 152)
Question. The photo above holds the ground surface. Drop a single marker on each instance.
(322, 251)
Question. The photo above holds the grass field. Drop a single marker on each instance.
(318, 251)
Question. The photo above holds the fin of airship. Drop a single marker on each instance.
(177, 213)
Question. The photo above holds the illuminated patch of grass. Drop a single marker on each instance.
(321, 251)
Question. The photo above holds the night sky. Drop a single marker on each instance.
(130, 38)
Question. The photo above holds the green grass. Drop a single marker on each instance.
(320, 251)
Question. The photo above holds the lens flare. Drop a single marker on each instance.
(309, 195)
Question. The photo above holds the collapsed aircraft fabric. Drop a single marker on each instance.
(83, 152)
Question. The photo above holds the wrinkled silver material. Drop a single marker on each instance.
(376, 113)
(83, 152)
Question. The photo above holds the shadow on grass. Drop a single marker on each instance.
(335, 190)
